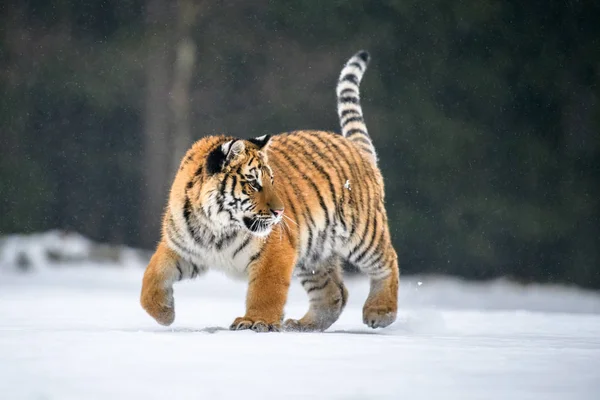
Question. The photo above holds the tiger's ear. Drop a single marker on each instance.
(225, 153)
(260, 141)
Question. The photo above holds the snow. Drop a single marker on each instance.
(76, 331)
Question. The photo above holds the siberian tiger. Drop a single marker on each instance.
(264, 208)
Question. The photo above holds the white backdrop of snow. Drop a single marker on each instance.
(73, 329)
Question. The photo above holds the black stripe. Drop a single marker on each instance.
(322, 239)
(233, 184)
(370, 251)
(222, 187)
(178, 241)
(351, 77)
(348, 99)
(362, 140)
(320, 287)
(349, 111)
(377, 254)
(179, 248)
(359, 250)
(356, 64)
(290, 203)
(179, 269)
(196, 268)
(225, 241)
(370, 244)
(243, 202)
(242, 246)
(308, 280)
(349, 91)
(254, 257)
(356, 131)
(358, 118)
(174, 229)
(368, 264)
(193, 229)
(187, 211)
(344, 297)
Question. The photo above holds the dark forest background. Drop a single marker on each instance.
(485, 114)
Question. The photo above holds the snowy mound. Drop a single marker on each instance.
(61, 249)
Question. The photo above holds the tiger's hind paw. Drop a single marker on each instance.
(296, 325)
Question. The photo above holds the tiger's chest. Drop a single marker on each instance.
(232, 260)
(230, 253)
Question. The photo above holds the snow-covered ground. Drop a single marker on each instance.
(75, 330)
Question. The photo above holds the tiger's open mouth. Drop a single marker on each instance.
(258, 225)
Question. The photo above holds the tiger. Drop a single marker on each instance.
(274, 207)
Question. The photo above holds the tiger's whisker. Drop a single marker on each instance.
(289, 219)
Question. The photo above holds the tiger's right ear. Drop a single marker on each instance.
(219, 157)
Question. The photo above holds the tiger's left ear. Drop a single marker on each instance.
(260, 141)
(222, 155)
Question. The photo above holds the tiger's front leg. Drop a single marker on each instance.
(269, 282)
(165, 268)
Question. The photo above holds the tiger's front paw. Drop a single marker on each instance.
(159, 303)
(243, 323)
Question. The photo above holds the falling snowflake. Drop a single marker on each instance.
(347, 184)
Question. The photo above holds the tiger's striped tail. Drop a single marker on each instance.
(348, 102)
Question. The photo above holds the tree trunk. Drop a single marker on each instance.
(185, 59)
(156, 149)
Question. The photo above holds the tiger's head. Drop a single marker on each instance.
(239, 190)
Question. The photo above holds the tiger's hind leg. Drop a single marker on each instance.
(327, 296)
(380, 262)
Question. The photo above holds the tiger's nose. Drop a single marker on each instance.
(277, 211)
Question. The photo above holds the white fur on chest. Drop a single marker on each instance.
(229, 260)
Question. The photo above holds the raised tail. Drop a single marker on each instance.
(348, 102)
